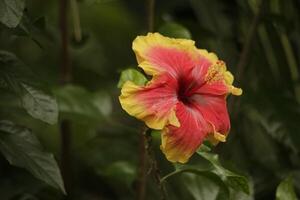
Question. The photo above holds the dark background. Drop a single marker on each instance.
(258, 40)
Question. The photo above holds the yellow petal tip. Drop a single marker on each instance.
(236, 91)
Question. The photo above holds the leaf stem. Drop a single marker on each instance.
(177, 172)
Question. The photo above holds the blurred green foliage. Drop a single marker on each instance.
(264, 141)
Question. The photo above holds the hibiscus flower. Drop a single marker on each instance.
(186, 97)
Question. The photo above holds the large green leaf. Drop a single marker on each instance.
(205, 187)
(77, 100)
(16, 78)
(11, 12)
(217, 177)
(232, 179)
(132, 75)
(285, 190)
(201, 181)
(22, 149)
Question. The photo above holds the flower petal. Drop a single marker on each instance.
(153, 103)
(179, 143)
(214, 110)
(157, 54)
(214, 77)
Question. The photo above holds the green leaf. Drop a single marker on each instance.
(205, 186)
(285, 190)
(132, 75)
(77, 100)
(16, 78)
(22, 149)
(11, 12)
(175, 30)
(211, 168)
(39, 105)
(200, 181)
(232, 179)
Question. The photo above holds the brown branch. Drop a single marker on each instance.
(65, 77)
(146, 148)
(154, 166)
(141, 190)
(142, 179)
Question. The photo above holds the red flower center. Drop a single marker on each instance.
(184, 91)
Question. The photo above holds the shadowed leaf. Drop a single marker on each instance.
(11, 12)
(17, 78)
(22, 149)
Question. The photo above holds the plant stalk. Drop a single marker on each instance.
(65, 78)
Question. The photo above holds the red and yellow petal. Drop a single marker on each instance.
(217, 75)
(157, 54)
(154, 103)
(214, 111)
(213, 58)
(179, 143)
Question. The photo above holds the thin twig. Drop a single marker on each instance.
(248, 44)
(246, 53)
(65, 77)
